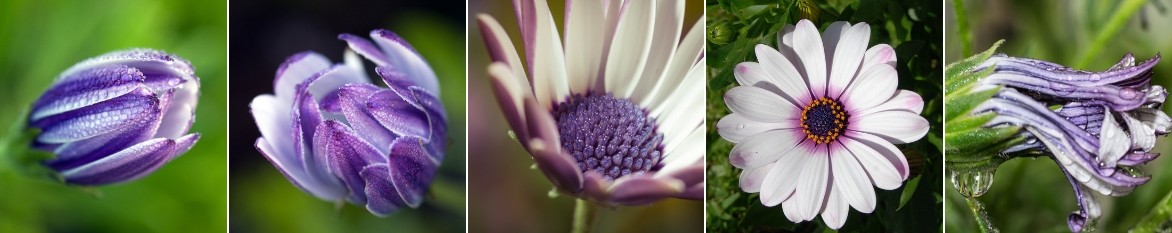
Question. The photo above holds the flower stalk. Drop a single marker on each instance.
(583, 216)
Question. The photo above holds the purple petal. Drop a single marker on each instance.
(639, 190)
(545, 147)
(154, 64)
(403, 57)
(92, 86)
(412, 169)
(381, 196)
(128, 164)
(138, 108)
(353, 99)
(397, 115)
(365, 48)
(347, 154)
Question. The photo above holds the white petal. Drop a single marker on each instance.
(1113, 142)
(852, 181)
(687, 56)
(879, 54)
(808, 46)
(669, 19)
(760, 105)
(764, 148)
(630, 47)
(751, 179)
(297, 70)
(904, 100)
(404, 59)
(836, 209)
(272, 117)
(682, 88)
(884, 163)
(688, 151)
(1155, 119)
(871, 88)
(584, 43)
(812, 184)
(895, 126)
(547, 62)
(781, 73)
(783, 179)
(736, 128)
(1142, 135)
(790, 208)
(785, 45)
(683, 111)
(848, 56)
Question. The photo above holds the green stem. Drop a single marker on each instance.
(583, 216)
(978, 210)
(1160, 215)
(962, 28)
(1118, 19)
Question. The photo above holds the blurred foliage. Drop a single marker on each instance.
(1033, 195)
(41, 38)
(911, 27)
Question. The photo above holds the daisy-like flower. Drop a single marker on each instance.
(615, 116)
(339, 137)
(815, 120)
(117, 117)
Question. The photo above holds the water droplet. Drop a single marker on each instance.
(1128, 93)
(553, 193)
(1132, 171)
(740, 126)
(973, 184)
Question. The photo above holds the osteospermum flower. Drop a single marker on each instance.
(815, 121)
(1106, 126)
(117, 117)
(615, 115)
(339, 137)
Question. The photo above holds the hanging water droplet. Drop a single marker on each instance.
(553, 193)
(512, 135)
(973, 184)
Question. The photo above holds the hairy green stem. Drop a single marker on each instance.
(583, 216)
(1118, 19)
(978, 210)
(962, 28)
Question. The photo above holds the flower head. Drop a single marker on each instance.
(339, 137)
(1106, 124)
(117, 117)
(615, 116)
(815, 120)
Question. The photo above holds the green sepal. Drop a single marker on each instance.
(15, 151)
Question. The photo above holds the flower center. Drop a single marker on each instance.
(611, 136)
(823, 120)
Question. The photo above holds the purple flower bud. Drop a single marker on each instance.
(1106, 125)
(117, 117)
(338, 137)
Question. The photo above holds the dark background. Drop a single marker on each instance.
(263, 34)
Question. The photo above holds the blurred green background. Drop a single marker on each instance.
(912, 27)
(505, 194)
(1032, 195)
(264, 33)
(41, 38)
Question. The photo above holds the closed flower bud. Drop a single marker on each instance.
(117, 117)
